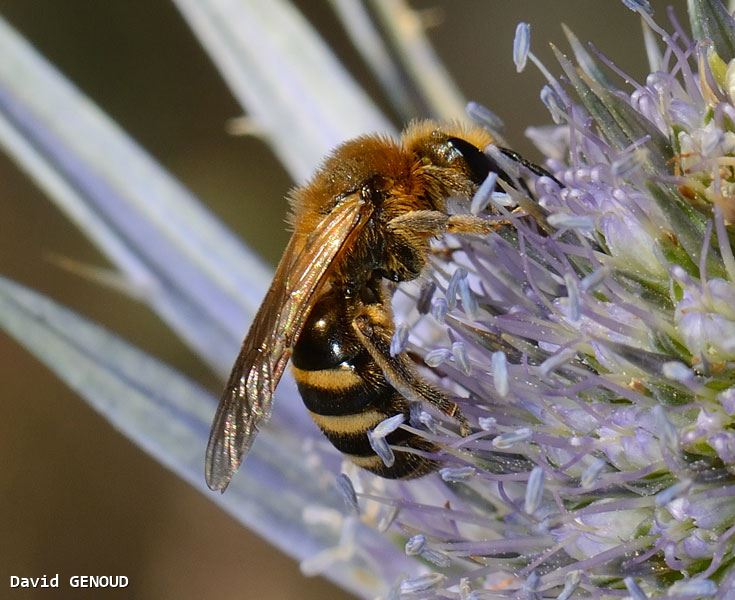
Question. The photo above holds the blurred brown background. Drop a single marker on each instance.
(75, 496)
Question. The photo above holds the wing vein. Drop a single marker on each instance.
(246, 401)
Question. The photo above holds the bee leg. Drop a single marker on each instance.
(431, 223)
(469, 225)
(376, 338)
(472, 225)
(419, 223)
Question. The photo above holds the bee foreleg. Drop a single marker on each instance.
(376, 338)
(472, 225)
(430, 223)
(425, 223)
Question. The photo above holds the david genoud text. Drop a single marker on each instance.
(74, 581)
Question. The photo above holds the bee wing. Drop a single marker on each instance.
(246, 400)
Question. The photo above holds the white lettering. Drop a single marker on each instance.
(98, 581)
(34, 582)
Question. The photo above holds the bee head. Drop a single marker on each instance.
(453, 150)
(476, 162)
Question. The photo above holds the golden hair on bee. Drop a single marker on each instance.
(422, 132)
(340, 171)
(365, 218)
(410, 164)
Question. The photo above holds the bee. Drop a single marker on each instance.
(364, 220)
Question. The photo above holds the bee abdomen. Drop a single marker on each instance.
(349, 434)
(340, 391)
(345, 407)
(406, 465)
(347, 394)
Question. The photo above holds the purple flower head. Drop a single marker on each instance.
(589, 343)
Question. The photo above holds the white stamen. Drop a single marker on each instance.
(459, 352)
(487, 423)
(484, 116)
(421, 583)
(694, 588)
(347, 490)
(382, 449)
(469, 300)
(415, 545)
(555, 361)
(439, 309)
(677, 371)
(502, 199)
(453, 286)
(483, 194)
(507, 440)
(399, 340)
(457, 474)
(568, 221)
(388, 425)
(534, 490)
(499, 364)
(573, 296)
(554, 104)
(521, 45)
(437, 558)
(436, 357)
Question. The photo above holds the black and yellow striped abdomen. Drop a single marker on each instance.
(347, 395)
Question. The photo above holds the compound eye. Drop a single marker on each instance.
(478, 163)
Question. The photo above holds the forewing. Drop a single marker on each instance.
(246, 400)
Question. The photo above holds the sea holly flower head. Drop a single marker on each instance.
(591, 343)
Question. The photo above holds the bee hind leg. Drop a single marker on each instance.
(375, 334)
